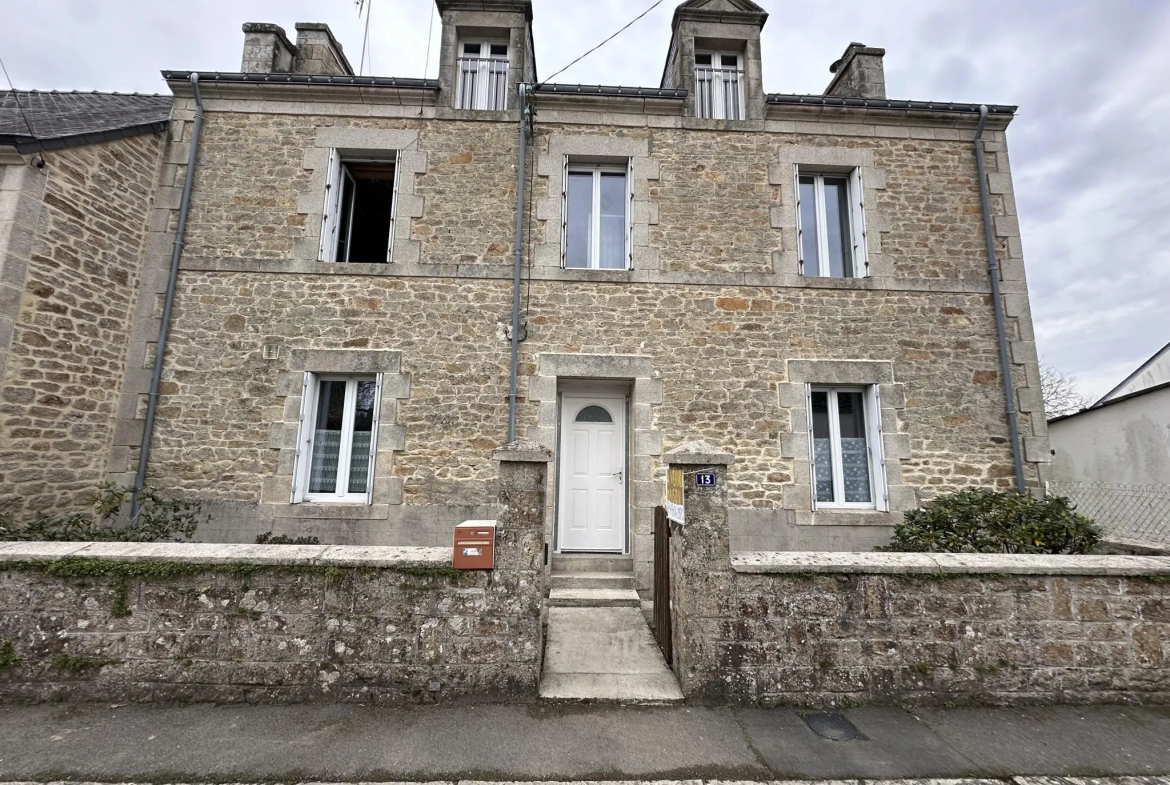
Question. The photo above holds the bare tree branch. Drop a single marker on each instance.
(1061, 394)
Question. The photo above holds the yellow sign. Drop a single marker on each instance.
(674, 496)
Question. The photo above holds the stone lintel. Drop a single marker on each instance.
(698, 453)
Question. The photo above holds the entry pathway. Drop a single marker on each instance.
(604, 654)
(349, 743)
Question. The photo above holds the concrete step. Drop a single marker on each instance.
(594, 598)
(592, 580)
(591, 563)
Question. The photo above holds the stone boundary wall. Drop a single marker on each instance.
(268, 624)
(855, 628)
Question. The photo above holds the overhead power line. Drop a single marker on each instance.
(16, 97)
(603, 43)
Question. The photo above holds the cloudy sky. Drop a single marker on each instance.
(1090, 146)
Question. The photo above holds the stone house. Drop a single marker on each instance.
(360, 319)
(78, 173)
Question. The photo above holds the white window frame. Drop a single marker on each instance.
(597, 169)
(858, 240)
(303, 460)
(483, 99)
(334, 191)
(878, 485)
(719, 85)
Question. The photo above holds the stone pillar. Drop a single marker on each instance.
(701, 580)
(518, 586)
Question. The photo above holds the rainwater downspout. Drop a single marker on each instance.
(516, 265)
(165, 325)
(1001, 330)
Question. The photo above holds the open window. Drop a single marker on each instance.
(845, 448)
(337, 440)
(596, 216)
(831, 240)
(361, 202)
(719, 82)
(483, 75)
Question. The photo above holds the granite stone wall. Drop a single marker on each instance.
(842, 629)
(75, 279)
(280, 623)
(1017, 633)
(714, 302)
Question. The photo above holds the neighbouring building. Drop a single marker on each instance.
(78, 174)
(1113, 458)
(801, 280)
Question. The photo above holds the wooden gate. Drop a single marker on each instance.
(662, 615)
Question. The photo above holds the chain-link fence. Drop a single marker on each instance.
(1131, 512)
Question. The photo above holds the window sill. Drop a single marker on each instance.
(825, 282)
(837, 516)
(335, 511)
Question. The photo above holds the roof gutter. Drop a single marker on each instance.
(997, 304)
(165, 325)
(28, 144)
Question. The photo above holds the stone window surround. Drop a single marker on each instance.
(551, 165)
(842, 160)
(794, 445)
(276, 491)
(356, 142)
(645, 442)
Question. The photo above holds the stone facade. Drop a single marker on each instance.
(70, 273)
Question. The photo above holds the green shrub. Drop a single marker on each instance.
(981, 520)
(157, 519)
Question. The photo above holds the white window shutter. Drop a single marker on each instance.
(329, 222)
(860, 242)
(799, 228)
(630, 217)
(564, 208)
(374, 439)
(812, 460)
(877, 452)
(302, 458)
(394, 205)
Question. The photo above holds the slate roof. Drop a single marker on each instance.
(67, 119)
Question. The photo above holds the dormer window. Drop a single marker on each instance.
(719, 86)
(483, 75)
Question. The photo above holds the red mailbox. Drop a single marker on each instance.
(475, 546)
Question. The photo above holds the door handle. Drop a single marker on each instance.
(618, 475)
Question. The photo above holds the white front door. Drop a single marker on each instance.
(592, 514)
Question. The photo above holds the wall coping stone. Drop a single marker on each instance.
(696, 453)
(523, 451)
(947, 563)
(207, 553)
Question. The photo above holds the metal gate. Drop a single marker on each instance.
(662, 620)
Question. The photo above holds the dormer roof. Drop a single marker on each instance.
(742, 12)
(512, 6)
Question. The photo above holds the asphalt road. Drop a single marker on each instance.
(333, 743)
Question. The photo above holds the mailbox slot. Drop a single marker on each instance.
(475, 546)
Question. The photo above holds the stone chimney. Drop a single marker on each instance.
(858, 74)
(318, 52)
(267, 50)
